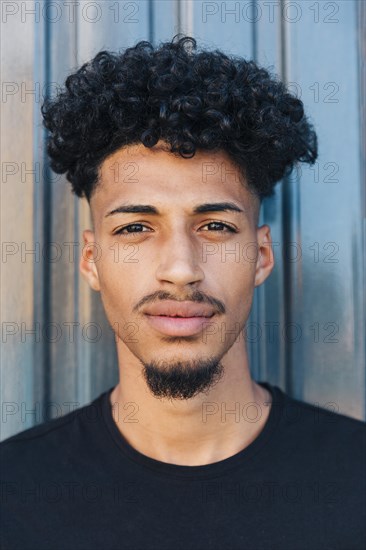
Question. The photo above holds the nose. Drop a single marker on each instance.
(178, 260)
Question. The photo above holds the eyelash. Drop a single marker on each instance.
(119, 232)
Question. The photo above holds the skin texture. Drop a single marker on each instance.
(179, 254)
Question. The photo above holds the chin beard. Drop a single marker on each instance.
(182, 379)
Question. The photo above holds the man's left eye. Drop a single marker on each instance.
(225, 225)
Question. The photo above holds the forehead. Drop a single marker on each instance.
(137, 173)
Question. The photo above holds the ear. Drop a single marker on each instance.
(90, 255)
(265, 261)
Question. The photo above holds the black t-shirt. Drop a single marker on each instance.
(75, 483)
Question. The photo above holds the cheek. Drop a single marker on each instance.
(234, 267)
(118, 261)
(233, 282)
(124, 278)
(114, 276)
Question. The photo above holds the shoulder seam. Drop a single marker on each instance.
(326, 411)
(18, 438)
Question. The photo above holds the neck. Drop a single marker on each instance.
(204, 429)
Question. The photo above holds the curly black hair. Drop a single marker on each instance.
(190, 99)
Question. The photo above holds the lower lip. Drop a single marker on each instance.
(178, 326)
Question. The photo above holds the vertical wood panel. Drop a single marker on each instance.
(17, 215)
(62, 313)
(268, 314)
(41, 218)
(327, 290)
(164, 23)
(226, 25)
(306, 208)
(361, 44)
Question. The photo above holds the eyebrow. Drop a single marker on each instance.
(199, 209)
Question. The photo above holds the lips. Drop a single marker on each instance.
(171, 308)
(178, 326)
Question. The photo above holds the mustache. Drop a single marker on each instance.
(197, 297)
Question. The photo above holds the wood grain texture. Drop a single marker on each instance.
(319, 51)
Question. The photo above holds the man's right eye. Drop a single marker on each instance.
(125, 230)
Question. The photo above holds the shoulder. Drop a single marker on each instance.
(327, 419)
(49, 441)
(42, 429)
(324, 431)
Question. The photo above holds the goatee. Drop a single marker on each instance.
(182, 379)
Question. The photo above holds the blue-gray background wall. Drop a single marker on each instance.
(307, 327)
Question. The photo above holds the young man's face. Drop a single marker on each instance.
(175, 255)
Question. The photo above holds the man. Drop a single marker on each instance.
(174, 150)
